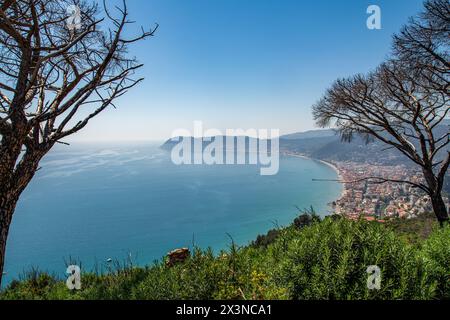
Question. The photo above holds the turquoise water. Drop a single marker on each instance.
(94, 202)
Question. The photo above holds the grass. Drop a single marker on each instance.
(311, 259)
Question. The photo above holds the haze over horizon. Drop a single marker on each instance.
(237, 64)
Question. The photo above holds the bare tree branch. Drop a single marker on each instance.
(405, 102)
(51, 76)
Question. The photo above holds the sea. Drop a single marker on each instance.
(92, 203)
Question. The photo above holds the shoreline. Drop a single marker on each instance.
(324, 162)
(329, 164)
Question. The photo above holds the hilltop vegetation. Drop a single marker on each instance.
(310, 259)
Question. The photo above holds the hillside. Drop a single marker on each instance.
(333, 149)
(325, 145)
(310, 259)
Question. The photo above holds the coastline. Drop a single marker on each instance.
(331, 165)
(324, 162)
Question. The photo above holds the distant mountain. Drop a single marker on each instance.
(327, 145)
(310, 135)
(332, 148)
(169, 144)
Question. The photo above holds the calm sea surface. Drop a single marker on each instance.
(91, 202)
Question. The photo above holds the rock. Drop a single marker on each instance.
(177, 256)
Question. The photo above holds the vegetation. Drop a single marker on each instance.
(416, 230)
(310, 260)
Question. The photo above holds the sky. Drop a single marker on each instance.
(233, 64)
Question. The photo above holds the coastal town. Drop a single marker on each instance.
(376, 199)
(380, 201)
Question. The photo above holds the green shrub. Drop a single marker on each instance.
(329, 260)
(436, 255)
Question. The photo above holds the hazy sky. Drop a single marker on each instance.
(244, 63)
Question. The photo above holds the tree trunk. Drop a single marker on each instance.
(7, 207)
(440, 209)
(435, 193)
(13, 181)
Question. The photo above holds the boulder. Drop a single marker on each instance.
(177, 256)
